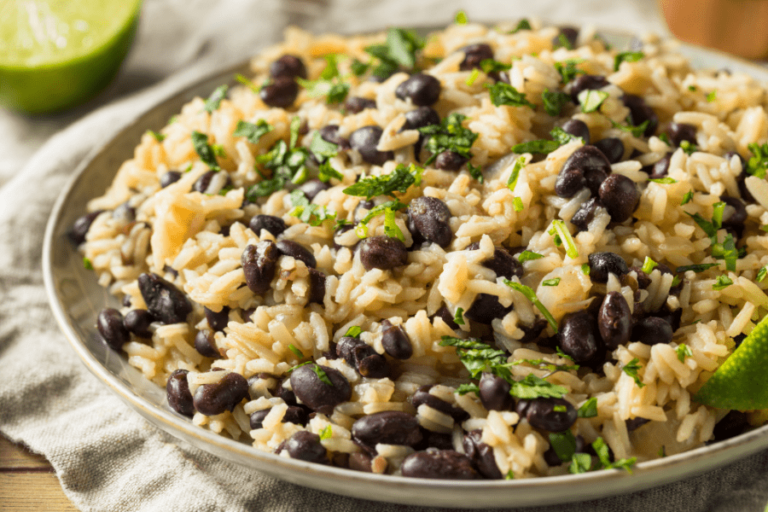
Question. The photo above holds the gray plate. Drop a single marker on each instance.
(76, 299)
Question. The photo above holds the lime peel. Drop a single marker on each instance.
(741, 382)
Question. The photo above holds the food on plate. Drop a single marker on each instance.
(493, 253)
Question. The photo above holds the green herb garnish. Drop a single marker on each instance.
(253, 132)
(463, 389)
(687, 198)
(551, 282)
(722, 282)
(528, 256)
(326, 172)
(761, 274)
(626, 57)
(568, 69)
(588, 409)
(214, 100)
(648, 265)
(159, 137)
(449, 135)
(398, 181)
(354, 331)
(682, 351)
(399, 51)
(296, 351)
(757, 165)
(631, 369)
(246, 82)
(87, 264)
(326, 433)
(475, 172)
(531, 296)
(664, 181)
(204, 151)
(591, 99)
(711, 96)
(504, 94)
(696, 268)
(554, 101)
(564, 444)
(458, 318)
(493, 66)
(559, 229)
(461, 18)
(523, 24)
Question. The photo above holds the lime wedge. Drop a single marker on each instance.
(55, 54)
(741, 382)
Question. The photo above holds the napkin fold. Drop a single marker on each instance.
(107, 457)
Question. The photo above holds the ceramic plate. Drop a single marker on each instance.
(76, 299)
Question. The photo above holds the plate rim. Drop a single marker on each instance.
(644, 472)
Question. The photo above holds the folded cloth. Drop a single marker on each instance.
(109, 458)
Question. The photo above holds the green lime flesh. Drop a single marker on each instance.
(57, 54)
(741, 382)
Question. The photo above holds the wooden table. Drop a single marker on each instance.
(27, 481)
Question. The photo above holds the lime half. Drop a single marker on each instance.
(741, 382)
(55, 54)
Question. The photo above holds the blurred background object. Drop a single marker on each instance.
(733, 26)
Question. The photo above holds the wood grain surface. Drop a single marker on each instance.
(27, 481)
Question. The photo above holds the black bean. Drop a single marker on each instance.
(533, 332)
(614, 320)
(502, 262)
(137, 321)
(485, 309)
(259, 265)
(365, 140)
(660, 168)
(213, 399)
(481, 455)
(577, 336)
(217, 321)
(346, 349)
(494, 393)
(294, 414)
(288, 396)
(289, 66)
(126, 301)
(551, 414)
(316, 394)
(275, 225)
(330, 133)
(732, 424)
(395, 341)
(361, 461)
(304, 445)
(313, 187)
(584, 83)
(212, 182)
(577, 129)
(735, 214)
(81, 226)
(421, 117)
(635, 423)
(430, 217)
(422, 89)
(356, 104)
(363, 357)
(111, 327)
(422, 396)
(586, 167)
(316, 287)
(340, 230)
(640, 112)
(166, 302)
(439, 464)
(603, 263)
(177, 391)
(678, 132)
(280, 93)
(612, 148)
(446, 316)
(257, 418)
(449, 161)
(586, 213)
(124, 213)
(652, 331)
(569, 34)
(297, 251)
(169, 178)
(374, 366)
(205, 344)
(620, 196)
(170, 270)
(387, 427)
(383, 252)
(474, 54)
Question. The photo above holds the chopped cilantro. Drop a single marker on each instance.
(252, 132)
(682, 351)
(606, 44)
(665, 138)
(580, 463)
(512, 181)
(717, 214)
(692, 88)
(688, 148)
(588, 409)
(631, 369)
(331, 69)
(321, 375)
(696, 268)
(563, 42)
(296, 351)
(510, 475)
(528, 256)
(531, 296)
(159, 137)
(246, 82)
(517, 204)
(391, 229)
(326, 433)
(398, 51)
(214, 100)
(398, 181)
(287, 165)
(200, 142)
(711, 96)
(626, 57)
(312, 214)
(493, 66)
(532, 387)
(458, 318)
(708, 227)
(559, 229)
(636, 131)
(761, 274)
(663, 181)
(568, 69)
(477, 357)
(461, 18)
(326, 172)
(449, 135)
(224, 191)
(473, 76)
(354, 331)
(648, 265)
(545, 365)
(321, 148)
(591, 99)
(294, 128)
(675, 281)
(554, 101)
(564, 444)
(523, 24)
(551, 282)
(334, 91)
(560, 136)
(218, 150)
(687, 198)
(475, 172)
(359, 68)
(87, 264)
(463, 389)
(722, 282)
(757, 165)
(586, 268)
(662, 452)
(562, 354)
(504, 94)
(602, 453)
(337, 93)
